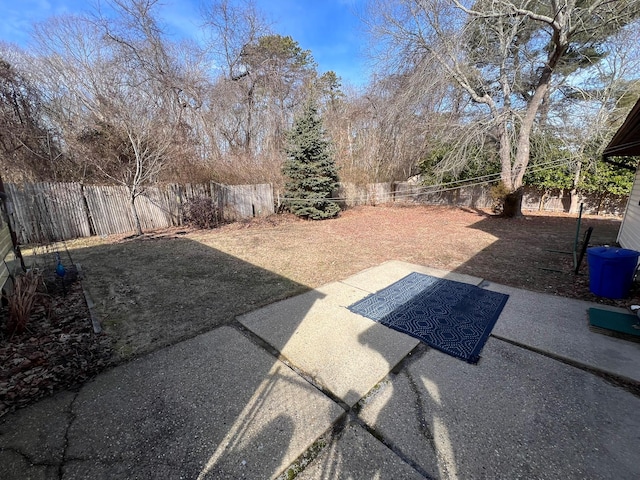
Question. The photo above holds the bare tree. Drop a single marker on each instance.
(504, 55)
(28, 149)
(229, 28)
(382, 133)
(116, 92)
(263, 80)
(593, 109)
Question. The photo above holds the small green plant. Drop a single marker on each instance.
(21, 301)
(202, 212)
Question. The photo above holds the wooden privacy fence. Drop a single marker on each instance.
(477, 196)
(48, 212)
(407, 192)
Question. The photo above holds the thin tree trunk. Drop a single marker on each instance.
(542, 200)
(505, 156)
(599, 206)
(134, 215)
(573, 194)
(249, 131)
(524, 135)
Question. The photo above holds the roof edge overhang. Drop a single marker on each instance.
(626, 141)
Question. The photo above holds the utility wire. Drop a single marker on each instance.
(437, 188)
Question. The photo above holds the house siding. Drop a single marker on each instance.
(629, 233)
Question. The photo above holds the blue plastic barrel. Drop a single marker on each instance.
(611, 271)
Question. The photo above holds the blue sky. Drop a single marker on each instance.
(331, 29)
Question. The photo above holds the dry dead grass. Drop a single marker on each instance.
(509, 251)
(171, 285)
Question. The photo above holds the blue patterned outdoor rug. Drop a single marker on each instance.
(453, 317)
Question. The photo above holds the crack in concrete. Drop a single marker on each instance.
(71, 417)
(350, 415)
(421, 413)
(618, 381)
(27, 458)
(329, 437)
(397, 451)
(413, 356)
(256, 340)
(401, 367)
(53, 450)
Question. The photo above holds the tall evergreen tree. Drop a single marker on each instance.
(310, 168)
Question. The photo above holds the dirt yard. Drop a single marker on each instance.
(170, 285)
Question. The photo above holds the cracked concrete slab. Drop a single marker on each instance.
(406, 427)
(317, 334)
(559, 326)
(356, 454)
(215, 406)
(220, 406)
(517, 414)
(36, 439)
(13, 465)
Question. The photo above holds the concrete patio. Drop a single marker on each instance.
(305, 388)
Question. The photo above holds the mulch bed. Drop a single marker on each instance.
(57, 350)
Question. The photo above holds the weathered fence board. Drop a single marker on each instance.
(66, 210)
(262, 200)
(236, 202)
(6, 249)
(48, 212)
(380, 193)
(152, 210)
(109, 209)
(351, 195)
(405, 192)
(24, 214)
(172, 196)
(477, 196)
(244, 201)
(195, 190)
